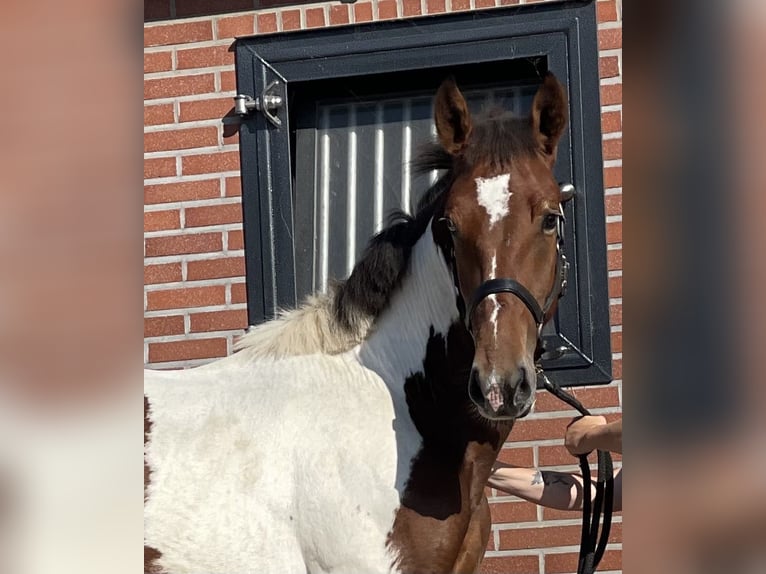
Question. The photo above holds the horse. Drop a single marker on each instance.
(356, 433)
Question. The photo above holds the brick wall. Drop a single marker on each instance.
(194, 294)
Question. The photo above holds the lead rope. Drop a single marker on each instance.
(591, 545)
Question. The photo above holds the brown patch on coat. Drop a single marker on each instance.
(151, 555)
(443, 523)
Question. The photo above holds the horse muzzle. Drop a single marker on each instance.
(502, 397)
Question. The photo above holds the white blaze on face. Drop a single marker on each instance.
(493, 299)
(493, 195)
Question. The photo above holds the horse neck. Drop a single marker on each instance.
(424, 305)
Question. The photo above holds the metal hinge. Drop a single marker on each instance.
(269, 100)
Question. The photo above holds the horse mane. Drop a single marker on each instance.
(336, 321)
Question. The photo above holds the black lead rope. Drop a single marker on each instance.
(591, 545)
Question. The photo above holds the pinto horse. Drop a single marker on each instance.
(356, 434)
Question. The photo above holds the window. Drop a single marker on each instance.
(356, 101)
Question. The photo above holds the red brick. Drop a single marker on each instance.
(558, 456)
(210, 163)
(611, 94)
(238, 293)
(182, 191)
(610, 39)
(291, 19)
(314, 17)
(157, 62)
(611, 122)
(516, 511)
(590, 397)
(510, 565)
(186, 297)
(508, 2)
(267, 23)
(160, 220)
(613, 148)
(613, 204)
(339, 14)
(233, 187)
(219, 321)
(205, 7)
(180, 139)
(615, 314)
(617, 342)
(531, 429)
(387, 9)
(162, 273)
(159, 167)
(567, 562)
(208, 109)
(204, 57)
(518, 456)
(485, 4)
(178, 86)
(235, 26)
(490, 543)
(547, 537)
(183, 244)
(614, 232)
(235, 239)
(435, 6)
(186, 350)
(608, 67)
(617, 369)
(615, 286)
(606, 11)
(411, 8)
(215, 268)
(612, 177)
(363, 12)
(614, 260)
(213, 215)
(160, 114)
(228, 81)
(162, 326)
(182, 33)
(461, 5)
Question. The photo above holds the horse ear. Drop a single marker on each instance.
(549, 114)
(453, 121)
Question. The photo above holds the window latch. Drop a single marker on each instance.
(267, 103)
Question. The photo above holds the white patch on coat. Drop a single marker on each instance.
(493, 195)
(493, 299)
(293, 465)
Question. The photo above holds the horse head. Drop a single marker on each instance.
(500, 226)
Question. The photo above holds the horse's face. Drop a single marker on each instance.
(501, 218)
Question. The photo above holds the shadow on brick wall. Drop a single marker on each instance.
(155, 10)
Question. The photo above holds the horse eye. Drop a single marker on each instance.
(550, 221)
(449, 224)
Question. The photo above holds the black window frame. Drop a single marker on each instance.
(564, 33)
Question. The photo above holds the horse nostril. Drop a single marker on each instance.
(523, 391)
(474, 388)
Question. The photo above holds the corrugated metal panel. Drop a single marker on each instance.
(362, 170)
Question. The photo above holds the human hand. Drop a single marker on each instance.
(578, 434)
